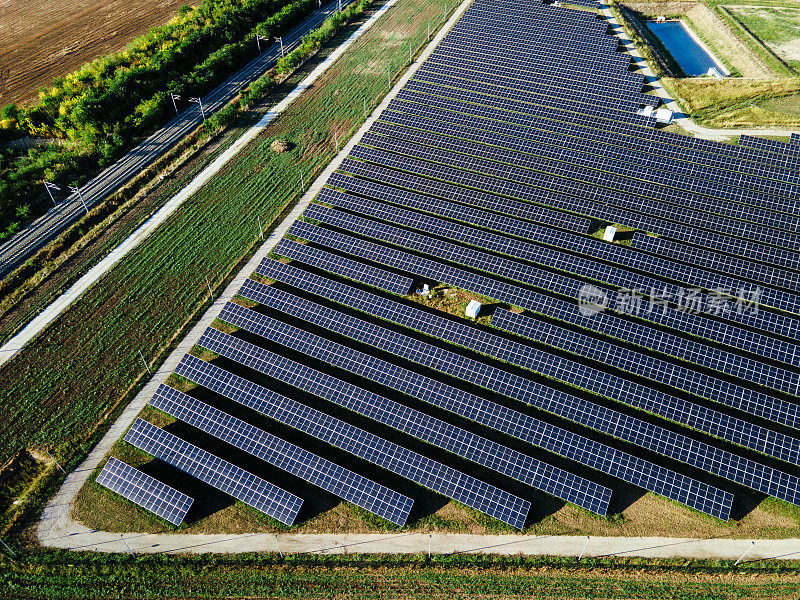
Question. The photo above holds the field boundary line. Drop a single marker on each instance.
(63, 302)
(56, 527)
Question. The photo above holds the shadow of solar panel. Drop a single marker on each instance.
(326, 475)
(630, 429)
(149, 493)
(218, 473)
(373, 406)
(621, 465)
(557, 482)
(415, 467)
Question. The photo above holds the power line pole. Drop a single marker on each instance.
(14, 554)
(55, 461)
(302, 183)
(200, 102)
(51, 186)
(121, 536)
(175, 106)
(280, 39)
(210, 293)
(146, 366)
(77, 190)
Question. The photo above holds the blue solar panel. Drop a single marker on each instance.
(514, 386)
(415, 467)
(149, 493)
(555, 481)
(332, 478)
(218, 473)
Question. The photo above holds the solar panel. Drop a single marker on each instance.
(359, 271)
(341, 482)
(475, 448)
(149, 493)
(579, 255)
(549, 479)
(660, 371)
(686, 321)
(647, 435)
(218, 473)
(514, 386)
(608, 323)
(411, 465)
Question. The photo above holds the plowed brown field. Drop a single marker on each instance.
(43, 39)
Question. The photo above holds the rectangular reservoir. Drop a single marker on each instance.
(688, 51)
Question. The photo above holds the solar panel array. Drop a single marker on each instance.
(149, 493)
(214, 471)
(493, 170)
(330, 477)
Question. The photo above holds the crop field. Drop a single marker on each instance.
(60, 387)
(41, 39)
(374, 577)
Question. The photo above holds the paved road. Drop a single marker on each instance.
(46, 228)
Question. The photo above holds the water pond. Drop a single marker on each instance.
(693, 58)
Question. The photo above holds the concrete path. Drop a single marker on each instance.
(422, 543)
(679, 118)
(54, 310)
(55, 523)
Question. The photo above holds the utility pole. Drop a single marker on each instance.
(55, 461)
(429, 31)
(340, 5)
(389, 71)
(210, 293)
(259, 38)
(277, 543)
(145, 362)
(9, 549)
(77, 190)
(365, 109)
(752, 545)
(580, 556)
(121, 536)
(175, 106)
(200, 102)
(51, 186)
(280, 39)
(409, 52)
(336, 139)
(260, 229)
(302, 183)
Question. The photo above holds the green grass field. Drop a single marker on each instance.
(68, 381)
(55, 576)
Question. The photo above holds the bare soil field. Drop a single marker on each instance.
(44, 39)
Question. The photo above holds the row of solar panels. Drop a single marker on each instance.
(404, 216)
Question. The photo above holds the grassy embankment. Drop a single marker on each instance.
(54, 576)
(69, 381)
